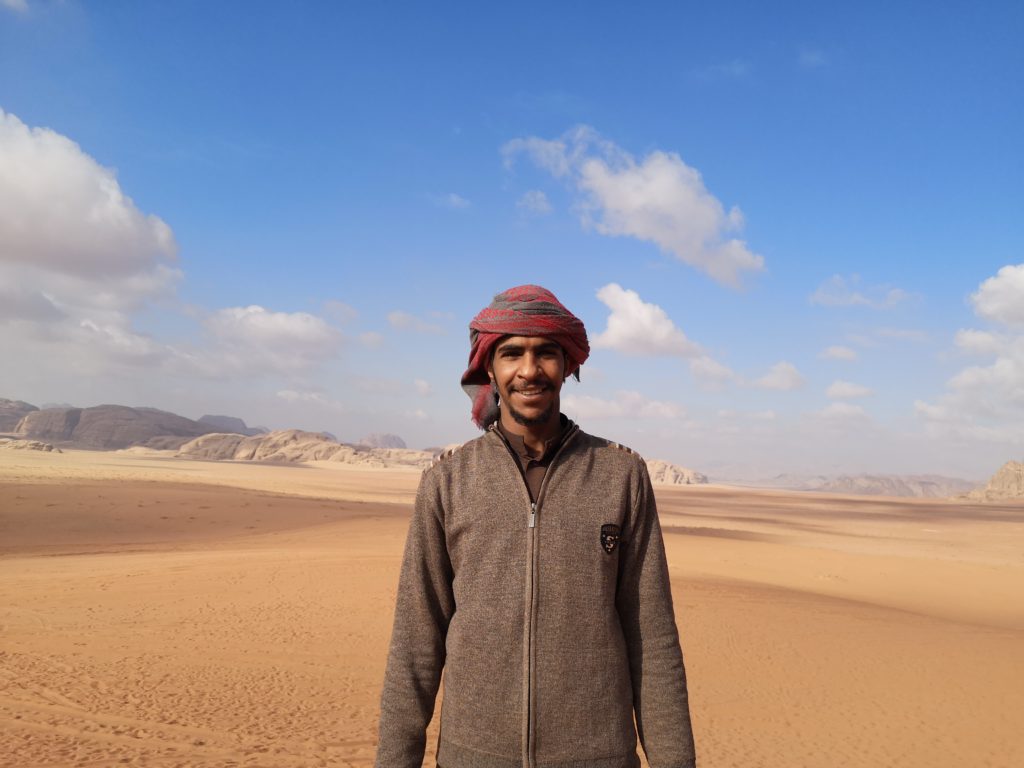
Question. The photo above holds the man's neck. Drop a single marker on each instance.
(536, 436)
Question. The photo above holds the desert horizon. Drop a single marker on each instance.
(180, 612)
(162, 434)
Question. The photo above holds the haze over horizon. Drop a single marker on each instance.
(793, 232)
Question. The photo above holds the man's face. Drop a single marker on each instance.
(528, 371)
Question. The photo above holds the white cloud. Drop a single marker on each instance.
(1000, 299)
(710, 373)
(320, 402)
(978, 342)
(16, 303)
(253, 338)
(340, 311)
(62, 212)
(19, 6)
(838, 353)
(729, 414)
(986, 402)
(371, 339)
(403, 321)
(627, 404)
(378, 385)
(842, 412)
(534, 201)
(78, 259)
(847, 390)
(453, 201)
(422, 387)
(638, 328)
(781, 376)
(840, 291)
(294, 396)
(659, 199)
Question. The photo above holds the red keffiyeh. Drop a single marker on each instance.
(527, 310)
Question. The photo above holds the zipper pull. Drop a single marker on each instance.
(533, 514)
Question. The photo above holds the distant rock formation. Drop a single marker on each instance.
(231, 424)
(106, 427)
(919, 486)
(13, 411)
(382, 440)
(27, 445)
(1006, 484)
(294, 446)
(663, 473)
(907, 486)
(164, 443)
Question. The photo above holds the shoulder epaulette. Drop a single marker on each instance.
(445, 454)
(621, 447)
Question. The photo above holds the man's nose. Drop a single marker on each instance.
(530, 367)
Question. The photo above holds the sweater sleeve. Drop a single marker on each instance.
(645, 609)
(423, 610)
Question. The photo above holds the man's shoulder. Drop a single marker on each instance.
(452, 454)
(609, 448)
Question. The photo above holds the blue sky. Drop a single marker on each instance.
(793, 230)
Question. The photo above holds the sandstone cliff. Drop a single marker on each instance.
(294, 446)
(1006, 484)
(13, 411)
(106, 427)
(382, 440)
(919, 486)
(663, 473)
(231, 424)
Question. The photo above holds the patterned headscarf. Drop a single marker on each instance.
(527, 310)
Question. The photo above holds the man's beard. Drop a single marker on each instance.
(523, 419)
(534, 421)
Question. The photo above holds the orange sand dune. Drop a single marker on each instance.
(161, 613)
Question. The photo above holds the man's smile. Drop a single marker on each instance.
(530, 394)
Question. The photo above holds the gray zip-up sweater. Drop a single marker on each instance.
(553, 622)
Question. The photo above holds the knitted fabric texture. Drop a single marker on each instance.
(527, 310)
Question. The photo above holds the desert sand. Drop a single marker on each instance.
(164, 612)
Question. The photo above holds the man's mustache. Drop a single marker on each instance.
(539, 387)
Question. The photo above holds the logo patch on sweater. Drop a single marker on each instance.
(609, 537)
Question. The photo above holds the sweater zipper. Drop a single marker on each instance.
(529, 760)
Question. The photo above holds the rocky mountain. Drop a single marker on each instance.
(293, 446)
(908, 486)
(231, 424)
(106, 427)
(1006, 484)
(919, 486)
(13, 411)
(382, 440)
(663, 473)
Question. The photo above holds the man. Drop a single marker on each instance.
(535, 576)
